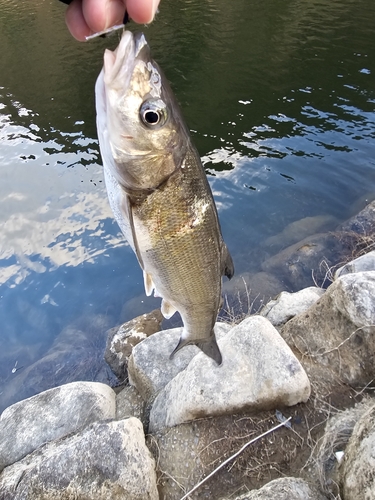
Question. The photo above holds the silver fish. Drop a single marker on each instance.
(158, 191)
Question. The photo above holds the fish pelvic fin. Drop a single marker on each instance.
(209, 347)
(167, 309)
(227, 262)
(149, 284)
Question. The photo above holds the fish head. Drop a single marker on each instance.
(139, 116)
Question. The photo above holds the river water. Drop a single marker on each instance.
(280, 100)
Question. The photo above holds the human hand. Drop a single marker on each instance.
(86, 17)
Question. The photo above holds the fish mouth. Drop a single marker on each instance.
(119, 64)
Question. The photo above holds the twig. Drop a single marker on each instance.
(234, 456)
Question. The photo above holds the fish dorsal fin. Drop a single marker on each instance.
(149, 284)
(226, 262)
(129, 212)
(167, 309)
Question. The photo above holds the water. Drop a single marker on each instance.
(280, 101)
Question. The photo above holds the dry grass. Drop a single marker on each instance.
(241, 305)
(337, 433)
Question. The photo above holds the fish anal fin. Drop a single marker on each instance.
(227, 262)
(149, 284)
(209, 347)
(129, 211)
(167, 309)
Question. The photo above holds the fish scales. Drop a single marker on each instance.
(185, 245)
(158, 191)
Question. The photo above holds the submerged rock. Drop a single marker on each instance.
(105, 461)
(287, 305)
(300, 229)
(76, 354)
(122, 339)
(338, 331)
(362, 223)
(52, 414)
(258, 372)
(308, 262)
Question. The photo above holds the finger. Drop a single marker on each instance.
(142, 11)
(76, 22)
(102, 14)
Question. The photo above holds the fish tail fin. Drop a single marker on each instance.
(209, 347)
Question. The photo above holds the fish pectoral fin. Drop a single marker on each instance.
(149, 284)
(209, 347)
(167, 309)
(129, 212)
(227, 262)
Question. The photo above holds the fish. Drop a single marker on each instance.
(159, 193)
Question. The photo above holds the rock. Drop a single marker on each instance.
(129, 403)
(122, 339)
(337, 333)
(286, 488)
(324, 463)
(287, 305)
(258, 372)
(50, 415)
(246, 293)
(308, 262)
(357, 472)
(300, 229)
(105, 461)
(150, 367)
(364, 263)
(362, 223)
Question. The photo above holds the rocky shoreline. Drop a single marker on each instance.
(306, 356)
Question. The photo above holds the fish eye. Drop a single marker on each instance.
(153, 113)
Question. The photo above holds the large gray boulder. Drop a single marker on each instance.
(365, 262)
(358, 467)
(28, 424)
(338, 332)
(259, 371)
(150, 367)
(286, 488)
(122, 339)
(105, 461)
(129, 403)
(287, 305)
